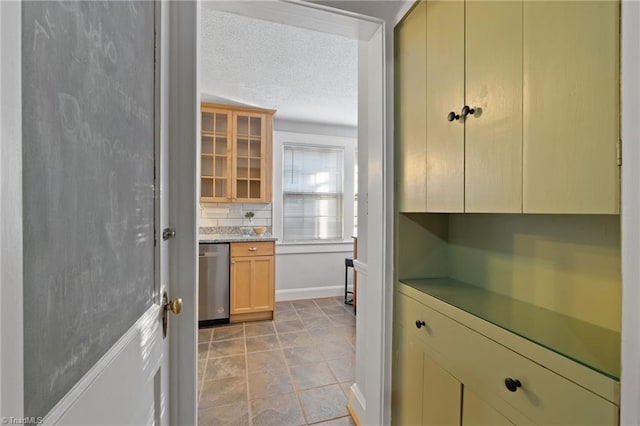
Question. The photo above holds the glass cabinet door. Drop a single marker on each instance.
(249, 178)
(215, 184)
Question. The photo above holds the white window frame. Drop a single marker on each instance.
(338, 196)
(349, 146)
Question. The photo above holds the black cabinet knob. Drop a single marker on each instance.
(452, 116)
(466, 110)
(512, 384)
(420, 324)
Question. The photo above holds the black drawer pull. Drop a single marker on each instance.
(512, 384)
(420, 324)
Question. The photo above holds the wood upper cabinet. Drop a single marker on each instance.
(252, 280)
(571, 107)
(236, 154)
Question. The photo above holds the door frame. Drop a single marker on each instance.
(630, 212)
(179, 122)
(11, 276)
(370, 395)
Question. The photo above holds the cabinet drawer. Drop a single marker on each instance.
(544, 396)
(259, 248)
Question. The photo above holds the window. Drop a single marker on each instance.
(312, 193)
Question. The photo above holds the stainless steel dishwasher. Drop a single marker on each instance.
(213, 285)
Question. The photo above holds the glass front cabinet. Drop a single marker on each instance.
(236, 145)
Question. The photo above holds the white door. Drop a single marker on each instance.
(84, 168)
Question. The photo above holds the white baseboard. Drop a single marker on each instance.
(357, 403)
(309, 293)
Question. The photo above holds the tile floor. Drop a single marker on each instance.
(296, 370)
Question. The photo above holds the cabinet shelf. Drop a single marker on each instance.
(595, 347)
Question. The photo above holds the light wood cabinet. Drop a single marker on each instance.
(252, 281)
(515, 119)
(236, 154)
(571, 107)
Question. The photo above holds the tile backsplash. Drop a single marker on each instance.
(232, 214)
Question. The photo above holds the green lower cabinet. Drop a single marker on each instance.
(425, 393)
(476, 412)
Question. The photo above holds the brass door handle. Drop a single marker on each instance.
(253, 248)
(174, 306)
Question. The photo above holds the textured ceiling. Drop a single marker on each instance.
(305, 75)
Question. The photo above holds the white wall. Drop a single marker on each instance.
(305, 270)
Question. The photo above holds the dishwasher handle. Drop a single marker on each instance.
(210, 254)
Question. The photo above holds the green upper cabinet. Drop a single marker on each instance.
(493, 91)
(508, 107)
(410, 110)
(445, 94)
(571, 107)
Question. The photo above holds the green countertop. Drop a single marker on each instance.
(595, 347)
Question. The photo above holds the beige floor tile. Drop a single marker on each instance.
(283, 306)
(226, 348)
(336, 349)
(342, 421)
(262, 343)
(315, 323)
(312, 375)
(286, 316)
(343, 319)
(228, 366)
(203, 350)
(289, 326)
(268, 383)
(328, 334)
(228, 332)
(259, 329)
(202, 365)
(324, 403)
(333, 310)
(223, 391)
(204, 335)
(303, 304)
(325, 301)
(296, 338)
(279, 410)
(343, 368)
(227, 415)
(269, 360)
(309, 313)
(302, 355)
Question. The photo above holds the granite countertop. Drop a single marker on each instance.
(231, 238)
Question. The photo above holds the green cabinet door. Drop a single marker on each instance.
(445, 94)
(571, 106)
(493, 89)
(411, 110)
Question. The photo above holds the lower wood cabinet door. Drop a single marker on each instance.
(252, 284)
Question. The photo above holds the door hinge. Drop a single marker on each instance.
(619, 152)
(168, 233)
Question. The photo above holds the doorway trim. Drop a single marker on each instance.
(369, 400)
